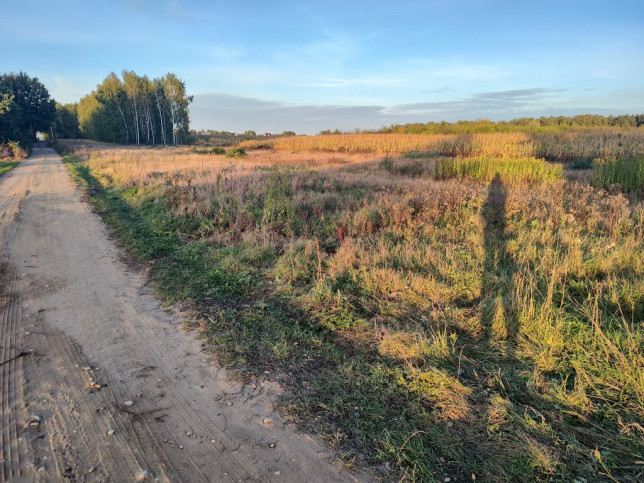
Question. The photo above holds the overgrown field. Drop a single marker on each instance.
(558, 146)
(427, 326)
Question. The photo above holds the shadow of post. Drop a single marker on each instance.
(498, 268)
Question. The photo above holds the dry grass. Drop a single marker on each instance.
(561, 146)
(467, 328)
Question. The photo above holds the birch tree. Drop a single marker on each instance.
(136, 109)
(114, 90)
(131, 84)
(175, 93)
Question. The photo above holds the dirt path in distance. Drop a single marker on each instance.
(74, 318)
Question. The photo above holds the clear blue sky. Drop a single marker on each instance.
(311, 65)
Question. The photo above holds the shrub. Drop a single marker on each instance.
(17, 151)
(236, 152)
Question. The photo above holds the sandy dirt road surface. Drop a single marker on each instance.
(74, 317)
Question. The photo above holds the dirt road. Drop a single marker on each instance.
(74, 318)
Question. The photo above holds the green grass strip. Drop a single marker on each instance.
(6, 166)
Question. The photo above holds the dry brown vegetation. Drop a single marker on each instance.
(559, 146)
(438, 328)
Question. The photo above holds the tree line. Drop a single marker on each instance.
(129, 110)
(552, 123)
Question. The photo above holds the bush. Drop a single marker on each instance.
(13, 150)
(236, 152)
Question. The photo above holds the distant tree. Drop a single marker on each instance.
(113, 91)
(25, 107)
(519, 124)
(89, 111)
(159, 96)
(65, 124)
(136, 110)
(132, 88)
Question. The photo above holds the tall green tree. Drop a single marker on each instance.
(112, 91)
(25, 108)
(136, 110)
(175, 93)
(65, 124)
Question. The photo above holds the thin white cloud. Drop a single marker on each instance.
(364, 81)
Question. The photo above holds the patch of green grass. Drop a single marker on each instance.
(387, 164)
(485, 168)
(6, 166)
(627, 172)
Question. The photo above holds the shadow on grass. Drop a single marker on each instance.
(498, 267)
